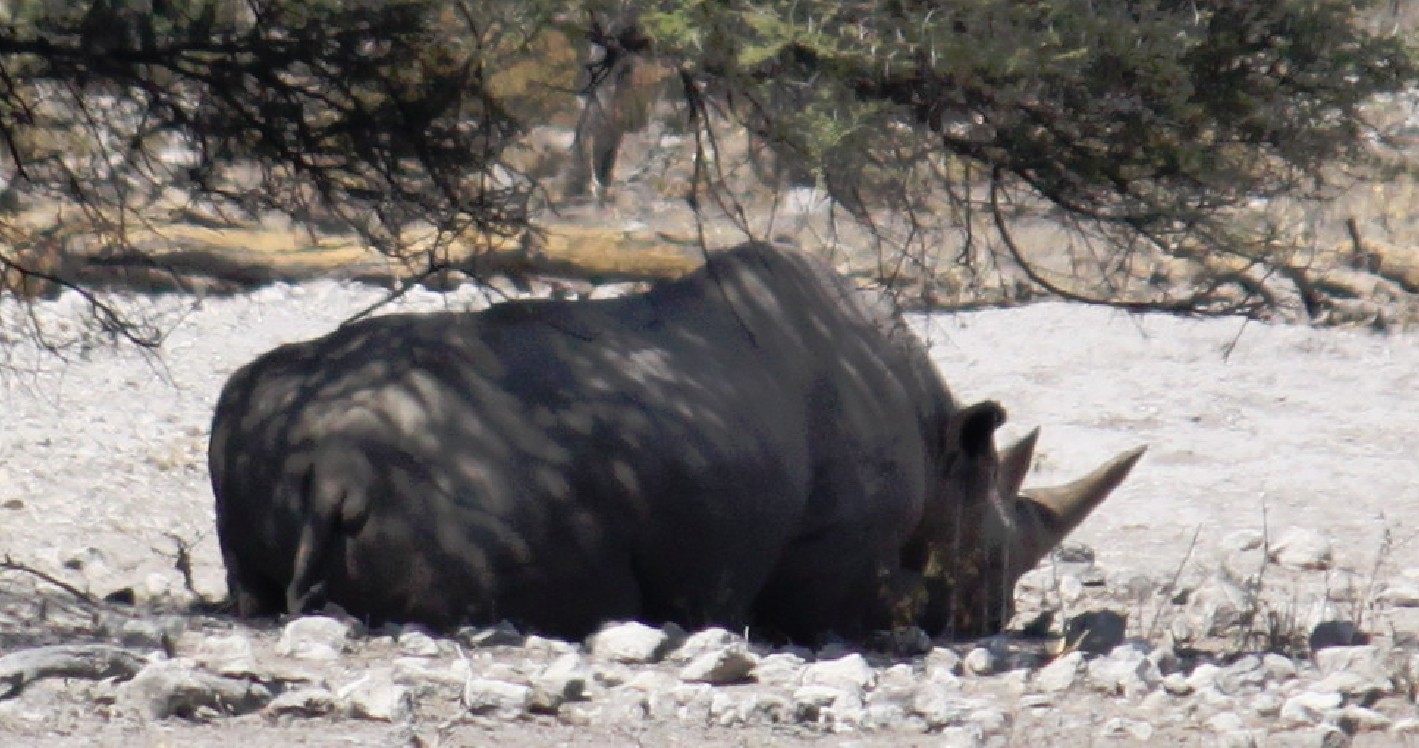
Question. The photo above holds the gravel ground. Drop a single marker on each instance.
(1280, 441)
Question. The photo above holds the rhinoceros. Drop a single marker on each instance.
(756, 444)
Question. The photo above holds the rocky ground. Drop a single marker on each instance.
(1254, 583)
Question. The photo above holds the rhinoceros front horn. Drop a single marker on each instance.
(1051, 513)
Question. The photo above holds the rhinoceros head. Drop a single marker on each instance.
(988, 531)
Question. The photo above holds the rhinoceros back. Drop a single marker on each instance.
(748, 432)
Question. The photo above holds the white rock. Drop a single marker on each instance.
(1355, 670)
(943, 664)
(1267, 704)
(729, 664)
(1401, 595)
(422, 674)
(417, 644)
(1059, 675)
(303, 702)
(1224, 722)
(779, 668)
(543, 647)
(1279, 668)
(1204, 676)
(811, 703)
(377, 697)
(496, 697)
(504, 634)
(174, 688)
(1118, 727)
(314, 638)
(1299, 548)
(565, 679)
(1126, 671)
(702, 642)
(981, 661)
(1177, 684)
(631, 643)
(850, 674)
(941, 706)
(1241, 739)
(1247, 672)
(1309, 707)
(1361, 719)
(1214, 607)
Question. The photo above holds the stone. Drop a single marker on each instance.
(498, 698)
(1401, 595)
(1335, 633)
(982, 661)
(1241, 739)
(1060, 674)
(1309, 707)
(1126, 671)
(1362, 669)
(175, 688)
(417, 644)
(314, 638)
(1279, 668)
(850, 674)
(376, 696)
(1096, 631)
(1215, 607)
(504, 634)
(700, 643)
(943, 664)
(630, 643)
(1137, 729)
(1356, 719)
(565, 679)
(779, 668)
(810, 702)
(429, 679)
(538, 646)
(1203, 676)
(729, 664)
(303, 702)
(1302, 550)
(1176, 684)
(1248, 671)
(942, 707)
(1225, 722)
(1267, 704)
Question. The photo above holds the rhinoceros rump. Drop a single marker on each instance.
(754, 444)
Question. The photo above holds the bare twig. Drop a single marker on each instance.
(1173, 583)
(9, 564)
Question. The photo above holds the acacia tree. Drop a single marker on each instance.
(1136, 137)
(1148, 130)
(374, 115)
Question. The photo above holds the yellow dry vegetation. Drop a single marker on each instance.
(581, 250)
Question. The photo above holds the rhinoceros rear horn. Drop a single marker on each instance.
(1062, 508)
(1014, 463)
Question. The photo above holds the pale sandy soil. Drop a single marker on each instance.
(102, 462)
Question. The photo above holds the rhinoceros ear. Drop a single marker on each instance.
(972, 429)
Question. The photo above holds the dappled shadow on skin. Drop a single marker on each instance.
(667, 456)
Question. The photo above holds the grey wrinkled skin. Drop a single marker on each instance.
(754, 444)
